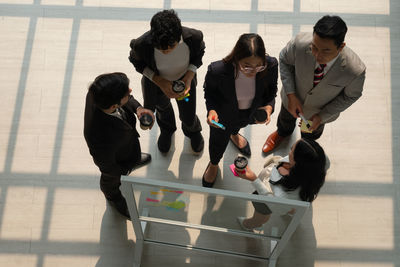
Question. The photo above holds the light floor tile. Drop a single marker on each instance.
(276, 5)
(342, 6)
(124, 3)
(52, 212)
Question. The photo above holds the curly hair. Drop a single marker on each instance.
(166, 29)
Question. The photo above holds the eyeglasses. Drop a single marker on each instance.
(251, 69)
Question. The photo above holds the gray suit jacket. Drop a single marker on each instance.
(340, 87)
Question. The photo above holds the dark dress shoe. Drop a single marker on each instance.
(164, 142)
(197, 142)
(244, 150)
(203, 180)
(207, 184)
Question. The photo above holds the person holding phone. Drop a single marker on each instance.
(321, 77)
(237, 88)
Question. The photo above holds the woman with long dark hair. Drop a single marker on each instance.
(298, 176)
(237, 88)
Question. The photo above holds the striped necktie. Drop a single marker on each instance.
(319, 74)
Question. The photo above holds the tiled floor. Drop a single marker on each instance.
(52, 212)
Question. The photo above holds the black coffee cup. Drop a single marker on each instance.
(240, 163)
(146, 121)
(260, 115)
(178, 86)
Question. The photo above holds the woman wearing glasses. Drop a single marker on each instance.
(235, 88)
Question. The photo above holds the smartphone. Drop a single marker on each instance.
(218, 124)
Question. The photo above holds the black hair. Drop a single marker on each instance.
(166, 29)
(249, 44)
(108, 89)
(331, 27)
(308, 172)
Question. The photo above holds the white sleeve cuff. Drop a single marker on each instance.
(148, 73)
(260, 187)
(192, 68)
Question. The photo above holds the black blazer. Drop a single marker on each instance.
(142, 50)
(220, 92)
(113, 143)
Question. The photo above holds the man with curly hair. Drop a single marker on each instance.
(170, 52)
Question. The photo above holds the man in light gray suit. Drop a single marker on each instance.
(321, 77)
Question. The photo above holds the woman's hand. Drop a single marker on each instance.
(268, 110)
(247, 175)
(212, 115)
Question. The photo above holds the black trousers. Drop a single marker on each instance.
(155, 99)
(110, 187)
(109, 184)
(261, 207)
(219, 138)
(286, 124)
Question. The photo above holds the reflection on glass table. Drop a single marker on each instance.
(165, 213)
(207, 209)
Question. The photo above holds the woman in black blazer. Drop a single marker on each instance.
(235, 88)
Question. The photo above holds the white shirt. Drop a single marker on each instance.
(173, 65)
(328, 65)
(245, 90)
(116, 113)
(176, 62)
(263, 187)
